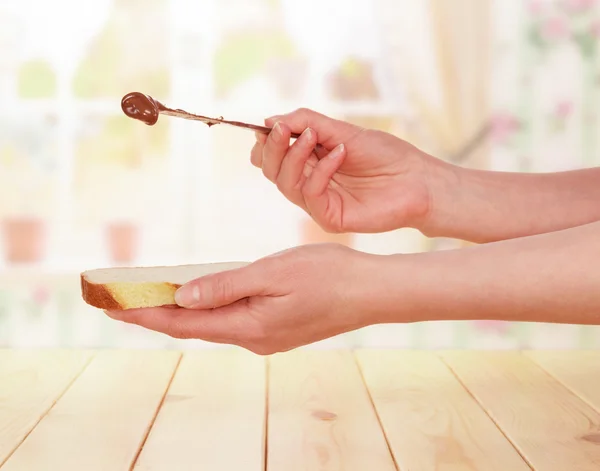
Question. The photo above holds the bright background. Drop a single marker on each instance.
(82, 186)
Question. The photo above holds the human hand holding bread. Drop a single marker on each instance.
(360, 180)
(277, 303)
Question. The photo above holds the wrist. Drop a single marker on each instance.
(406, 288)
(512, 280)
(445, 184)
(486, 206)
(383, 289)
(470, 204)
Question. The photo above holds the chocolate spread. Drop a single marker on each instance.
(142, 107)
(146, 109)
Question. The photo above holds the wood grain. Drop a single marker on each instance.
(439, 411)
(320, 415)
(102, 420)
(577, 370)
(550, 426)
(213, 417)
(432, 423)
(30, 383)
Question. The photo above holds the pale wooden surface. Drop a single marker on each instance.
(579, 371)
(320, 415)
(30, 384)
(306, 410)
(102, 420)
(551, 426)
(213, 416)
(430, 420)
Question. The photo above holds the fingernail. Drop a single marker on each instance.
(187, 296)
(307, 135)
(337, 152)
(276, 133)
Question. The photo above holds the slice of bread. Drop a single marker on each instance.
(121, 288)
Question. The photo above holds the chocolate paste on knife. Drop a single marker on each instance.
(146, 109)
(142, 107)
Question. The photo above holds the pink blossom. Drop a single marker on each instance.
(579, 6)
(497, 327)
(503, 126)
(563, 109)
(535, 7)
(555, 28)
(595, 29)
(41, 295)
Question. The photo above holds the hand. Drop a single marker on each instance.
(275, 304)
(360, 180)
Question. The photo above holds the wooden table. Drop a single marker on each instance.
(368, 410)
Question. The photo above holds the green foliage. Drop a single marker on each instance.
(243, 54)
(124, 142)
(36, 80)
(100, 74)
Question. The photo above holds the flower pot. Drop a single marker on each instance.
(24, 239)
(122, 239)
(354, 80)
(313, 234)
(289, 75)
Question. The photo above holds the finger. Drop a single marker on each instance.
(225, 325)
(222, 288)
(275, 149)
(256, 155)
(261, 137)
(291, 176)
(332, 132)
(315, 188)
(270, 122)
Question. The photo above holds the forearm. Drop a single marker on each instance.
(552, 278)
(486, 206)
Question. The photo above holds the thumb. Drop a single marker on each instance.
(220, 289)
(331, 132)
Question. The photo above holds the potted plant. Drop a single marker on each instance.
(27, 188)
(353, 80)
(120, 170)
(123, 211)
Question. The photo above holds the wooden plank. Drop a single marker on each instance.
(31, 382)
(432, 423)
(102, 420)
(547, 422)
(577, 370)
(213, 417)
(320, 415)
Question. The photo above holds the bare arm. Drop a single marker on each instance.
(552, 278)
(485, 206)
